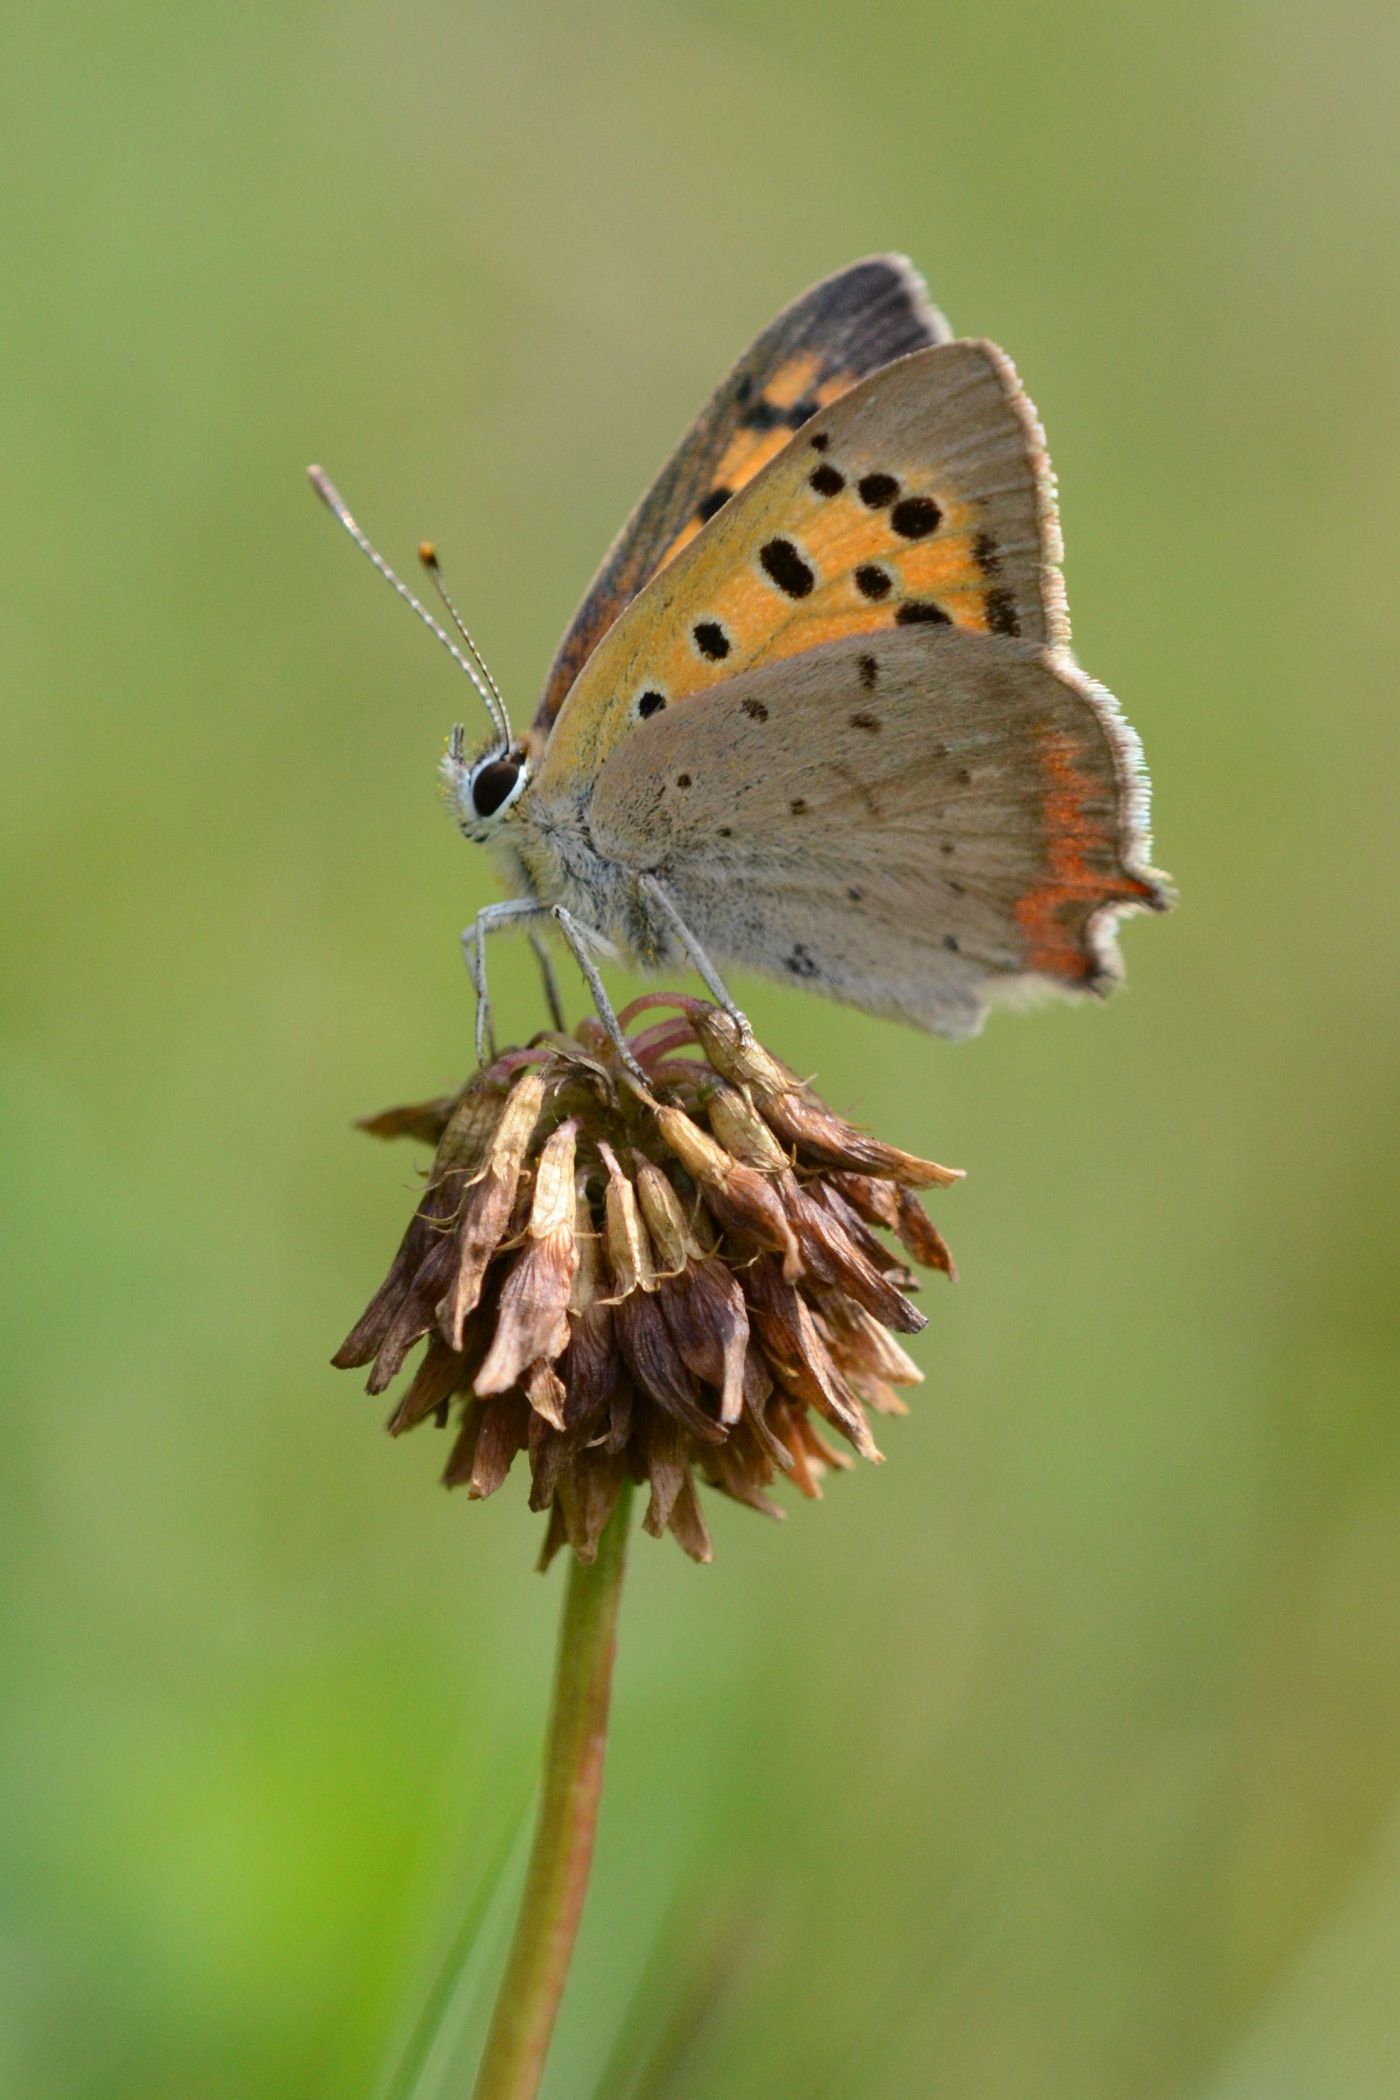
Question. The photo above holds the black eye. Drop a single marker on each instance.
(493, 784)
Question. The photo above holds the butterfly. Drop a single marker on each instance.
(817, 715)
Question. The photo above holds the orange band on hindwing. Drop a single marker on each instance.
(1082, 868)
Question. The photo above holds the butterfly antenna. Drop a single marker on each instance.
(335, 503)
(427, 554)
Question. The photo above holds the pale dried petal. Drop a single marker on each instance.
(673, 1238)
(545, 1391)
(741, 1130)
(628, 1244)
(489, 1200)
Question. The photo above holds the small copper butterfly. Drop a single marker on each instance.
(817, 715)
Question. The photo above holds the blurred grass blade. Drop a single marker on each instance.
(699, 1966)
(408, 2078)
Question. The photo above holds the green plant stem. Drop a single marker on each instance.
(557, 1877)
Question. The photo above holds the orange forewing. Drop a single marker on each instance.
(920, 495)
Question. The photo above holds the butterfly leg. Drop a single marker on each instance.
(474, 954)
(578, 936)
(551, 984)
(705, 970)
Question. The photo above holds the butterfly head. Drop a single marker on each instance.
(480, 792)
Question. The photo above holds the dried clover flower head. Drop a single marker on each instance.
(663, 1284)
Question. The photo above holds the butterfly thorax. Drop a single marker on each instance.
(544, 851)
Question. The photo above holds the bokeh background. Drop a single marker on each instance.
(1055, 1760)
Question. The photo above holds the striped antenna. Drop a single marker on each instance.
(477, 672)
(428, 555)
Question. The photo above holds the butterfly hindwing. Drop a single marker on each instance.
(921, 497)
(910, 822)
(844, 328)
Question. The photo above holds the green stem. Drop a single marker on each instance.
(557, 1878)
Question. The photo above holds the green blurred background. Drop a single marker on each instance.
(1058, 1759)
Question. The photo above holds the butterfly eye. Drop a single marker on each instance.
(493, 785)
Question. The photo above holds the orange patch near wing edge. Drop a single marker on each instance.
(1081, 866)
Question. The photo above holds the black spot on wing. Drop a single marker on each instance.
(872, 581)
(784, 566)
(869, 671)
(651, 703)
(922, 612)
(711, 640)
(802, 962)
(798, 806)
(1001, 613)
(916, 517)
(706, 508)
(869, 723)
(821, 441)
(755, 710)
(986, 554)
(876, 490)
(826, 479)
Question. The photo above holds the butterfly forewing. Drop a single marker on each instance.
(849, 325)
(922, 497)
(910, 823)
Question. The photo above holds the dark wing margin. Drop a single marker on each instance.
(842, 329)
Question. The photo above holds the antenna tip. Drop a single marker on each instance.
(427, 554)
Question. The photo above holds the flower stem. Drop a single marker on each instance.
(557, 1878)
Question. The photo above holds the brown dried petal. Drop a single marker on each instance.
(688, 1523)
(413, 1317)
(425, 1120)
(588, 1490)
(709, 1323)
(835, 1261)
(493, 1431)
(858, 1232)
(923, 1238)
(658, 1366)
(859, 1343)
(668, 1468)
(877, 1202)
(742, 1474)
(737, 1197)
(798, 1357)
(589, 1366)
(437, 1378)
(361, 1345)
